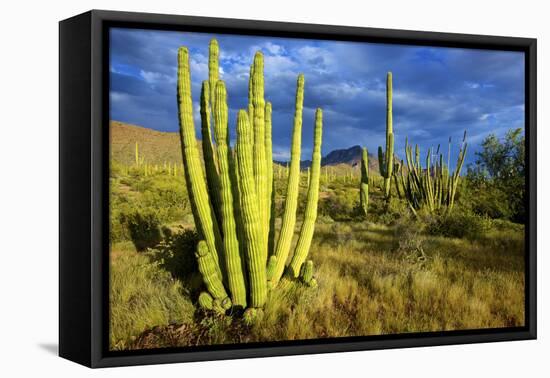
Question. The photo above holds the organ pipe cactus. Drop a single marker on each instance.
(232, 196)
(385, 158)
(432, 187)
(289, 216)
(225, 162)
(250, 211)
(364, 184)
(308, 225)
(207, 147)
(199, 199)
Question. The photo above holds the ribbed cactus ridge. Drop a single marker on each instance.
(364, 185)
(308, 225)
(250, 93)
(250, 212)
(289, 216)
(235, 274)
(208, 269)
(210, 164)
(196, 184)
(270, 207)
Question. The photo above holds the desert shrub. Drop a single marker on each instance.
(340, 205)
(381, 211)
(176, 253)
(458, 224)
(144, 227)
(486, 200)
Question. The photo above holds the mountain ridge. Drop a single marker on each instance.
(159, 147)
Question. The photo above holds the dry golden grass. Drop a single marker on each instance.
(367, 286)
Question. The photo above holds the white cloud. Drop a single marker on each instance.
(154, 78)
(340, 90)
(275, 65)
(117, 97)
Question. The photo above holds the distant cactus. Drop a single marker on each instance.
(232, 196)
(385, 158)
(136, 154)
(364, 185)
(432, 187)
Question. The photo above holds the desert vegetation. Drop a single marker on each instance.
(215, 244)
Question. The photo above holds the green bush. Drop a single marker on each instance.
(144, 227)
(176, 253)
(486, 200)
(340, 204)
(458, 224)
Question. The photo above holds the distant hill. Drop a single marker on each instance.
(349, 157)
(157, 147)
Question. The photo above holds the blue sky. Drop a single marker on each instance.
(438, 92)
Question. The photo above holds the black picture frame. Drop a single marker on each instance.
(83, 181)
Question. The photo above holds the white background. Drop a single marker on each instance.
(29, 186)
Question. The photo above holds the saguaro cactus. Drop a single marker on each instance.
(364, 184)
(385, 158)
(234, 190)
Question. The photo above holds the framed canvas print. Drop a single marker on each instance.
(234, 188)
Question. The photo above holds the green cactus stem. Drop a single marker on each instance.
(385, 158)
(136, 154)
(289, 216)
(206, 301)
(208, 269)
(307, 272)
(250, 212)
(270, 195)
(260, 163)
(308, 225)
(210, 164)
(364, 185)
(196, 184)
(225, 163)
(213, 69)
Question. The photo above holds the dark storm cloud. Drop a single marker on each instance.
(438, 92)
